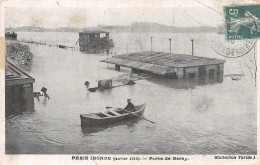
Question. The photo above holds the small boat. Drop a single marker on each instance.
(236, 77)
(111, 116)
(92, 89)
(62, 46)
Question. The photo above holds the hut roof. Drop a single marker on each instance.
(14, 75)
(160, 62)
(93, 31)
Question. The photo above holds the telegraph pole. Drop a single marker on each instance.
(170, 44)
(192, 51)
(151, 43)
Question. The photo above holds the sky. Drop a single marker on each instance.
(91, 17)
(91, 13)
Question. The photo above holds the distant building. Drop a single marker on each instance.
(11, 36)
(115, 28)
(18, 89)
(177, 66)
(94, 41)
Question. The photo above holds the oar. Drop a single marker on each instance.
(139, 116)
(110, 107)
(133, 114)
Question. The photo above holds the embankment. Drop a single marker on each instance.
(20, 54)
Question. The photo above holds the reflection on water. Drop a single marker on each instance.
(181, 83)
(94, 129)
(96, 51)
(45, 101)
(42, 99)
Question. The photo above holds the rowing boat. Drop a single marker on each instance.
(111, 116)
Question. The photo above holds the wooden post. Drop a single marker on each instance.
(28, 96)
(192, 51)
(151, 43)
(170, 45)
(117, 67)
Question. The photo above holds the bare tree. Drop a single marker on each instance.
(251, 64)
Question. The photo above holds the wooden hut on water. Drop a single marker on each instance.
(94, 41)
(178, 66)
(18, 89)
(11, 36)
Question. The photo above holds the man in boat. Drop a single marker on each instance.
(130, 106)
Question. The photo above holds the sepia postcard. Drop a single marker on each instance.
(129, 82)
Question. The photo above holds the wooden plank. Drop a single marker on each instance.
(115, 113)
(137, 59)
(106, 114)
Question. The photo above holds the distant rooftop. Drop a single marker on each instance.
(14, 75)
(94, 31)
(160, 62)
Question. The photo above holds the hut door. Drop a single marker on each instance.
(202, 75)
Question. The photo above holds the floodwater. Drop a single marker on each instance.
(210, 119)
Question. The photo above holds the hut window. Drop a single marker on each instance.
(102, 35)
(191, 76)
(211, 73)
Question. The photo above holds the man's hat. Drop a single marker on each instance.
(44, 90)
(128, 99)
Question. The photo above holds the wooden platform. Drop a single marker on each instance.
(160, 62)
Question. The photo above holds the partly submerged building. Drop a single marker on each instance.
(18, 89)
(94, 41)
(178, 66)
(11, 36)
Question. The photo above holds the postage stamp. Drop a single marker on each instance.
(242, 22)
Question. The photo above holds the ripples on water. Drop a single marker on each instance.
(211, 119)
